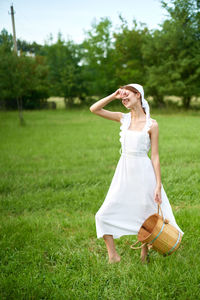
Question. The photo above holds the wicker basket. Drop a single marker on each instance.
(158, 234)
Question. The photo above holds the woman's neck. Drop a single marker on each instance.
(137, 113)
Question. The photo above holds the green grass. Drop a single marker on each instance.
(55, 173)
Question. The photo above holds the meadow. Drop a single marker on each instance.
(55, 172)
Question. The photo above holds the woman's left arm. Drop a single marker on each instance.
(154, 131)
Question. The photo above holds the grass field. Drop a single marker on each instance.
(55, 173)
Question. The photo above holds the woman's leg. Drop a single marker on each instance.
(144, 253)
(112, 253)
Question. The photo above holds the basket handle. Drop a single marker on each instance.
(159, 208)
(135, 248)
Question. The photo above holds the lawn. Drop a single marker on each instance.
(55, 173)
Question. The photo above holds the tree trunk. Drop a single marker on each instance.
(2, 104)
(68, 102)
(65, 101)
(186, 102)
(20, 111)
(159, 101)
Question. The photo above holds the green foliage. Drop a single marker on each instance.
(128, 56)
(33, 48)
(184, 29)
(21, 77)
(97, 57)
(6, 41)
(172, 54)
(65, 73)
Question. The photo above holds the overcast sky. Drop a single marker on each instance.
(36, 19)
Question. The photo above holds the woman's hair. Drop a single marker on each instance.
(132, 89)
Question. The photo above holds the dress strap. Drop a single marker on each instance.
(122, 118)
(148, 124)
(125, 120)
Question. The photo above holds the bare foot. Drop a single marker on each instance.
(114, 259)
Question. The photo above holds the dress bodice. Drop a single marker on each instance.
(132, 140)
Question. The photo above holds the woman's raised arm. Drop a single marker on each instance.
(97, 108)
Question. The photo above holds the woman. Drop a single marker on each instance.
(136, 187)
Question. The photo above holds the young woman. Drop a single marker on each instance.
(136, 187)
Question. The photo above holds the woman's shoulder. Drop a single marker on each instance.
(124, 117)
(153, 125)
(154, 122)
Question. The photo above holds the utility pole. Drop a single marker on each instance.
(19, 99)
(13, 26)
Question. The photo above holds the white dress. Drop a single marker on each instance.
(130, 198)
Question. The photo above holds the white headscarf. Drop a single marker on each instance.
(145, 104)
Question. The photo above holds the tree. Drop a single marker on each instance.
(64, 69)
(184, 49)
(6, 41)
(155, 65)
(25, 47)
(97, 58)
(23, 80)
(172, 54)
(129, 62)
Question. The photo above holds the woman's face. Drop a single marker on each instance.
(129, 98)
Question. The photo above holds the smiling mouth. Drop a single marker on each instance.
(125, 100)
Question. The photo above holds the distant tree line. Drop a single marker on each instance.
(164, 61)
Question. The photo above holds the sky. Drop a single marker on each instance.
(35, 20)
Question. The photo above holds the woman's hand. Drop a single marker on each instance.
(120, 93)
(157, 195)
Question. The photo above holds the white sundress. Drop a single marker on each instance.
(130, 198)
